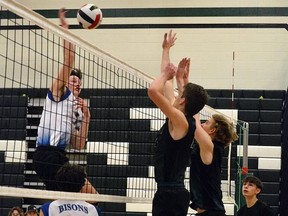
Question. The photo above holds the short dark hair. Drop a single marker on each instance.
(70, 178)
(76, 72)
(195, 98)
(253, 180)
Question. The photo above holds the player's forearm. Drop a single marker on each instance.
(69, 55)
(169, 91)
(57, 87)
(203, 139)
(165, 58)
(84, 132)
(157, 86)
(180, 85)
(78, 138)
(169, 84)
(85, 127)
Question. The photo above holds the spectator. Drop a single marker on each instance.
(252, 187)
(16, 211)
(32, 211)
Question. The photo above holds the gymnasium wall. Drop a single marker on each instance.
(208, 32)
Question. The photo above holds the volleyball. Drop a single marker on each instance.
(89, 16)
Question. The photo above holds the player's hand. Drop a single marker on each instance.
(169, 40)
(183, 70)
(82, 104)
(62, 17)
(187, 71)
(169, 71)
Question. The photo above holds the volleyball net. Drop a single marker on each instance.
(118, 156)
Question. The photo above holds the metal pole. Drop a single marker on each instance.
(245, 148)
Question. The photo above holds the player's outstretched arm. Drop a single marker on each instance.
(204, 140)
(59, 82)
(177, 119)
(168, 42)
(156, 89)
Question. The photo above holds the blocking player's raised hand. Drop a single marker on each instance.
(62, 16)
(58, 85)
(169, 71)
(169, 40)
(182, 75)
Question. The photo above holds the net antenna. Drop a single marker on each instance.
(118, 155)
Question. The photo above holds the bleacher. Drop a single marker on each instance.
(13, 110)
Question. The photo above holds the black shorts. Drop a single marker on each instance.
(171, 202)
(47, 160)
(212, 213)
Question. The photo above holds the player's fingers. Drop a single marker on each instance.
(165, 36)
(170, 33)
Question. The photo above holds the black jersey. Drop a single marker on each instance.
(205, 180)
(258, 209)
(172, 157)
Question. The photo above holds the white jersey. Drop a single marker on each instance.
(69, 207)
(58, 121)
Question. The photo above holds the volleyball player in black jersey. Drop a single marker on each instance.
(205, 169)
(172, 147)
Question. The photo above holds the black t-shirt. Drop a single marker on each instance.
(258, 209)
(172, 157)
(205, 180)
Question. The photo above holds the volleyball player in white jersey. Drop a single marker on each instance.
(64, 121)
(70, 178)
